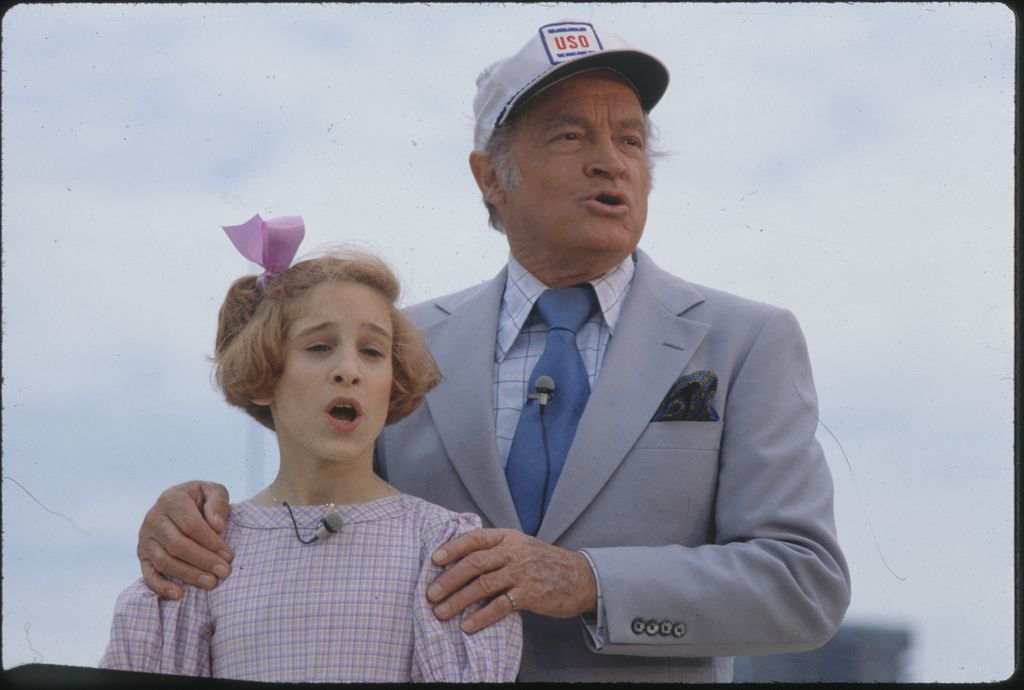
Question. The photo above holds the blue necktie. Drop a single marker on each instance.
(533, 470)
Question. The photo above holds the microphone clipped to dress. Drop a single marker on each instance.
(330, 523)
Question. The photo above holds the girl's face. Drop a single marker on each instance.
(332, 399)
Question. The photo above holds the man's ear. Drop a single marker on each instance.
(486, 175)
(265, 401)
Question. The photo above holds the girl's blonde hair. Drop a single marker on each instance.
(253, 325)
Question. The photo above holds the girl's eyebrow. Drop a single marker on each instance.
(368, 325)
(313, 329)
(376, 328)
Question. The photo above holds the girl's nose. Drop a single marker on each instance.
(346, 370)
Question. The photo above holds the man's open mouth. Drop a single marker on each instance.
(609, 199)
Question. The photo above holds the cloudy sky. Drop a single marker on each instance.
(853, 163)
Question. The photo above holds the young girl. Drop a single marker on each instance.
(331, 563)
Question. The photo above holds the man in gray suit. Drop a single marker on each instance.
(691, 517)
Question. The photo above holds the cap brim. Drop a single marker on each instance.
(647, 75)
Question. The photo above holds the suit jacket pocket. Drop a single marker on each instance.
(681, 436)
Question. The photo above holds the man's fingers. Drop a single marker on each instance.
(499, 607)
(181, 504)
(480, 589)
(215, 505)
(538, 577)
(158, 584)
(175, 539)
(475, 569)
(196, 542)
(163, 547)
(159, 560)
(475, 540)
(194, 555)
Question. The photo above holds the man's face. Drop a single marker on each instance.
(580, 205)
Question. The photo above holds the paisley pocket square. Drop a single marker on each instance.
(689, 399)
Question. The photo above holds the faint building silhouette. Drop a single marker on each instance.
(858, 653)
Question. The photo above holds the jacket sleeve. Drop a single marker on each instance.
(772, 578)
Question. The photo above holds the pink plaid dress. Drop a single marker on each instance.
(349, 607)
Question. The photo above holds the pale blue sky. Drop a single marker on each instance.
(853, 163)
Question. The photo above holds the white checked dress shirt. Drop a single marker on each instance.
(520, 340)
(519, 345)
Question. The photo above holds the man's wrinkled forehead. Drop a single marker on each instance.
(568, 100)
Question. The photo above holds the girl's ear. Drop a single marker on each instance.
(265, 402)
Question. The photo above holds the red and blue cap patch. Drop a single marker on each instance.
(568, 40)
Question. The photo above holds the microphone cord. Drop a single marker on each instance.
(547, 463)
(545, 387)
(330, 523)
(296, 525)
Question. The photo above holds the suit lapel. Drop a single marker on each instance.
(651, 346)
(463, 406)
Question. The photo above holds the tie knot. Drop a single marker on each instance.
(567, 308)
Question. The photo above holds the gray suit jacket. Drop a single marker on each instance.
(725, 527)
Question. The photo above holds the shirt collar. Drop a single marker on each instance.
(522, 289)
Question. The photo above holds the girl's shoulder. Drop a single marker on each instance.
(248, 515)
(436, 523)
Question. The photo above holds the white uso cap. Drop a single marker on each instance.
(556, 52)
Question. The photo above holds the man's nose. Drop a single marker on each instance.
(606, 160)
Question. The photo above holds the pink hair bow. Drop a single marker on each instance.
(270, 243)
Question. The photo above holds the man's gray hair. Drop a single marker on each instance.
(499, 150)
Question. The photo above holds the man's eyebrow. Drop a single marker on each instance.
(560, 120)
(633, 123)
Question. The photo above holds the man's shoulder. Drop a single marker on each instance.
(700, 301)
(432, 513)
(424, 313)
(731, 302)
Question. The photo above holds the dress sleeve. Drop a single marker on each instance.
(442, 653)
(155, 635)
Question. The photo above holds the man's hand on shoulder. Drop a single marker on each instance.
(180, 537)
(507, 571)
